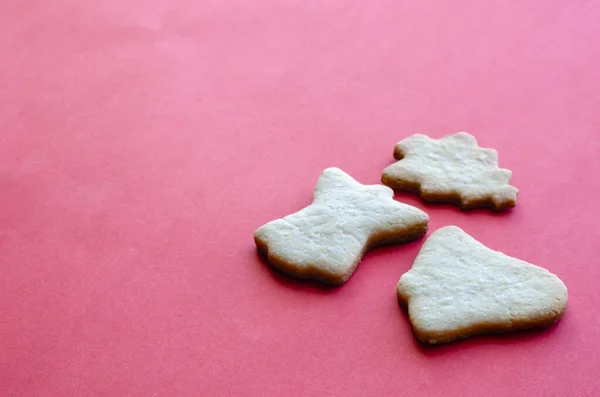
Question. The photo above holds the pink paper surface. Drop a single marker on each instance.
(143, 142)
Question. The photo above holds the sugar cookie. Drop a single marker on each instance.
(326, 240)
(457, 288)
(452, 169)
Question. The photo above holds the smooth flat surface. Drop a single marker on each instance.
(142, 143)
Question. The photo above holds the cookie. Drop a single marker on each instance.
(457, 288)
(453, 169)
(326, 240)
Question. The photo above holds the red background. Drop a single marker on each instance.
(142, 143)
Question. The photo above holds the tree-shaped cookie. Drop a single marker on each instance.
(452, 169)
(457, 288)
(326, 240)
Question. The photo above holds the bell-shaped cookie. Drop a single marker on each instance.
(457, 288)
